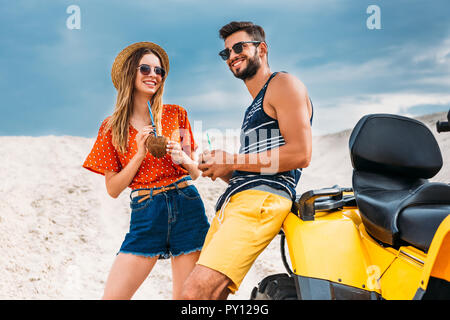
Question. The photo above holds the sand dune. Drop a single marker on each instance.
(59, 230)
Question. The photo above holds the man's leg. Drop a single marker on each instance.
(205, 284)
(250, 221)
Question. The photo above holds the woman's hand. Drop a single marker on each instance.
(141, 138)
(180, 157)
(177, 154)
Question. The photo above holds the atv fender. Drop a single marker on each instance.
(329, 248)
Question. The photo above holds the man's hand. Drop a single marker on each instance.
(216, 164)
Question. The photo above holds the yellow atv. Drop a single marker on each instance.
(388, 237)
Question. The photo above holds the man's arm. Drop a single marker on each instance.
(289, 99)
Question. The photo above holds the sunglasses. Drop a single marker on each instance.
(237, 48)
(145, 70)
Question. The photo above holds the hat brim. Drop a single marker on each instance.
(125, 53)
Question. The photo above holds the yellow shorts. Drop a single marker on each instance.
(250, 220)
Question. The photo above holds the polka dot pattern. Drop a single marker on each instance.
(153, 172)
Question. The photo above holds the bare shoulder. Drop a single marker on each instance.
(286, 83)
(286, 89)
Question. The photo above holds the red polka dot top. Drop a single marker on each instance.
(153, 172)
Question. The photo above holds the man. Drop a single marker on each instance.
(275, 144)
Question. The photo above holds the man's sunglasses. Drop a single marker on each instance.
(145, 69)
(237, 47)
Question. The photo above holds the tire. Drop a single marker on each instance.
(275, 287)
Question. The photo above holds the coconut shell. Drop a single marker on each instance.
(157, 145)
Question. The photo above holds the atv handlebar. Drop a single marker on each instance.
(443, 126)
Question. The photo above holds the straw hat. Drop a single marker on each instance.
(125, 53)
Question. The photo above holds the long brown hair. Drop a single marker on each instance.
(118, 122)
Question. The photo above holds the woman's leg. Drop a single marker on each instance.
(182, 266)
(126, 275)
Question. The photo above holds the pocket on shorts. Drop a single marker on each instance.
(189, 192)
(138, 206)
(275, 206)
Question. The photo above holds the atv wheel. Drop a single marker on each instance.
(275, 287)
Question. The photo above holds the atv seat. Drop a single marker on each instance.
(392, 158)
(418, 224)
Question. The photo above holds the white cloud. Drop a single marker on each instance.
(347, 111)
(392, 83)
(218, 100)
(440, 55)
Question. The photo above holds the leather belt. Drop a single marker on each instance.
(155, 191)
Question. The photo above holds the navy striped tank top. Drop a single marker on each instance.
(259, 133)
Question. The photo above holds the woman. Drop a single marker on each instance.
(168, 217)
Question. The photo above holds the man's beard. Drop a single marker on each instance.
(253, 65)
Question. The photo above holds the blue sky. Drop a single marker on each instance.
(57, 81)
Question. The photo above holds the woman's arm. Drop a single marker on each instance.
(116, 182)
(191, 166)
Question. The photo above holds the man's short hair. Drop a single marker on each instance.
(254, 31)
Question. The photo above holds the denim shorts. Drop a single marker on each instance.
(167, 224)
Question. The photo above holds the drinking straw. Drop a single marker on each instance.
(151, 117)
(209, 141)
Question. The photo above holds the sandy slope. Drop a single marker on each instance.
(59, 231)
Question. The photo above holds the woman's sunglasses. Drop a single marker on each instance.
(145, 70)
(237, 47)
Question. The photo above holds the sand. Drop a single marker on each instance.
(60, 231)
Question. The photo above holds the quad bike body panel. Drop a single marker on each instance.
(332, 247)
(389, 238)
(342, 252)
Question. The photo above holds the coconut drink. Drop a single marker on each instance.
(155, 144)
